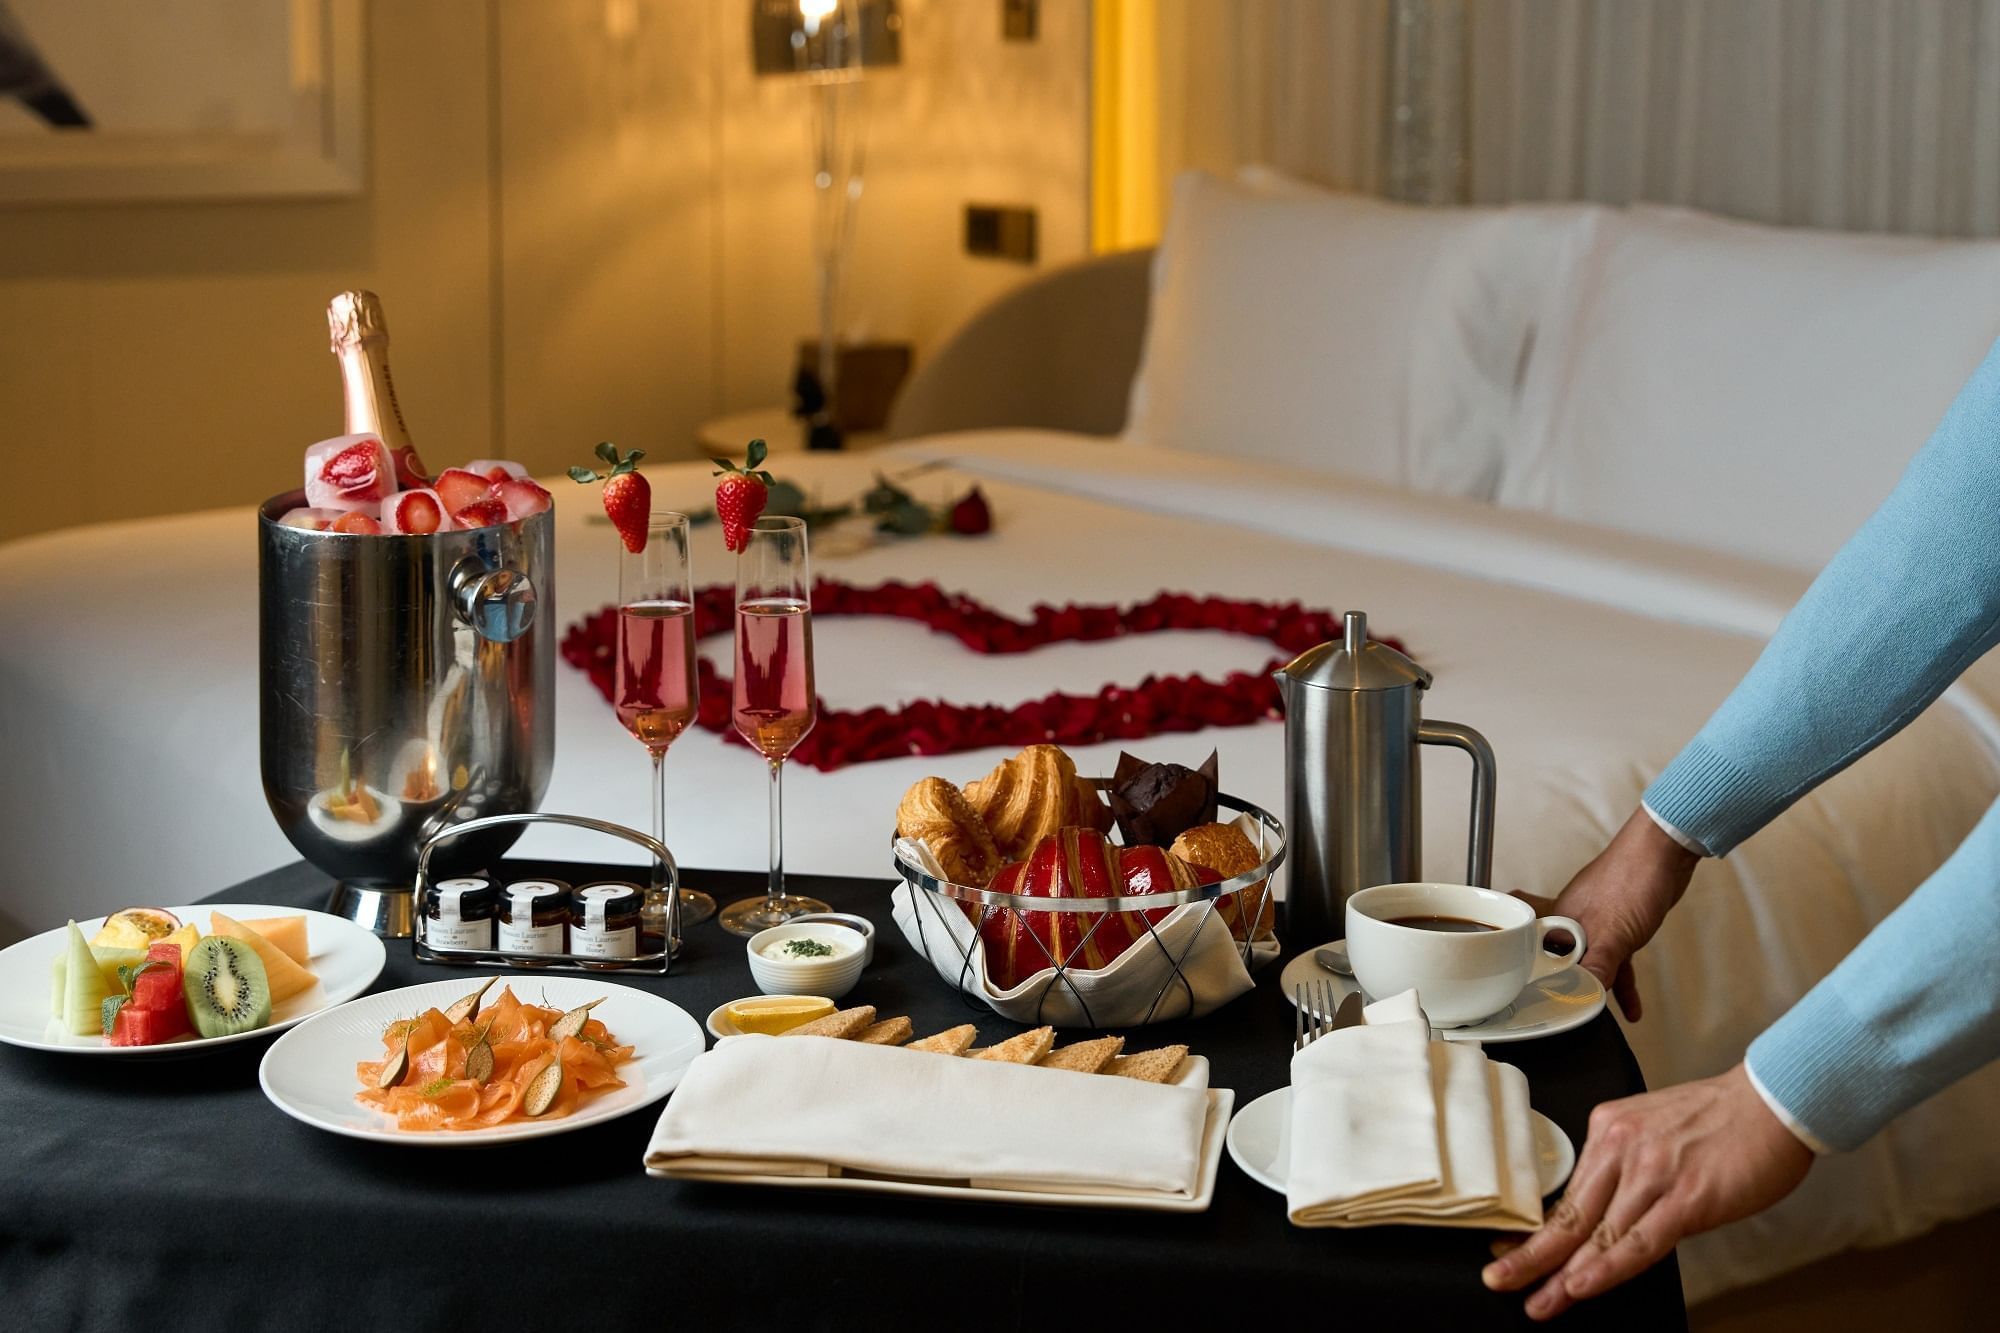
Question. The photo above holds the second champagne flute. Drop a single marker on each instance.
(655, 686)
(772, 703)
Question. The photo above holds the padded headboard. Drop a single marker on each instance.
(1057, 353)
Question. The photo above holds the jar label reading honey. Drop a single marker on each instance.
(604, 943)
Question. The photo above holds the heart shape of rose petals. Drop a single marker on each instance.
(1154, 706)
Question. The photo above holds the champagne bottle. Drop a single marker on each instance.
(361, 346)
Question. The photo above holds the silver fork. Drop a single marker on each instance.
(1312, 1016)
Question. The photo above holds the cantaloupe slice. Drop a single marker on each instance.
(287, 932)
(287, 978)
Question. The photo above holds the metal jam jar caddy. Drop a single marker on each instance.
(648, 964)
(937, 896)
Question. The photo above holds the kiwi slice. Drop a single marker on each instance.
(227, 990)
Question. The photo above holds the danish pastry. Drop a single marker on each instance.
(1227, 851)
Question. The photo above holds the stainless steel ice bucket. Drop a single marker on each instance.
(406, 682)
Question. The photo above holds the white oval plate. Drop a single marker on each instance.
(1555, 1003)
(1260, 1142)
(346, 958)
(309, 1072)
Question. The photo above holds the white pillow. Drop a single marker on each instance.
(1748, 389)
(1343, 334)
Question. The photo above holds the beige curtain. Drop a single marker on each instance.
(1861, 114)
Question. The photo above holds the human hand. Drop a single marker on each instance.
(1621, 897)
(1655, 1168)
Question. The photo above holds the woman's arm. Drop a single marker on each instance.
(1915, 1007)
(1899, 612)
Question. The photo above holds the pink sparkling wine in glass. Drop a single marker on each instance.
(773, 692)
(655, 686)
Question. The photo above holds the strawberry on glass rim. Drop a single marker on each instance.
(740, 495)
(628, 498)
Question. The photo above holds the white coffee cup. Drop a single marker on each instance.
(1460, 976)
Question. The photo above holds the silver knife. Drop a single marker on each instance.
(1349, 1013)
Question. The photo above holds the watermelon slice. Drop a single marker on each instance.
(148, 1027)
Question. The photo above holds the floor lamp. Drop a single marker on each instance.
(829, 43)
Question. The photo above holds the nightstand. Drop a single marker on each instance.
(784, 433)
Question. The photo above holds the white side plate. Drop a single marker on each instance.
(1556, 1003)
(309, 1072)
(346, 958)
(1260, 1143)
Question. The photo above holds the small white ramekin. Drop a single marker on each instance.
(831, 977)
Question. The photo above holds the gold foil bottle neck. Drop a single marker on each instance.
(355, 317)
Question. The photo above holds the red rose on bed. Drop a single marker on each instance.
(1075, 863)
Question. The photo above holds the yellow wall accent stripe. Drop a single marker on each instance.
(1124, 125)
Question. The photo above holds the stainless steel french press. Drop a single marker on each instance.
(1353, 781)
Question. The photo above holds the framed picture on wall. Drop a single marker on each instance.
(108, 100)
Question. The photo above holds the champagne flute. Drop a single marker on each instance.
(772, 702)
(655, 690)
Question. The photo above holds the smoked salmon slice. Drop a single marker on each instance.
(435, 1091)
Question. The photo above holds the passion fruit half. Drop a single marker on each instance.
(135, 928)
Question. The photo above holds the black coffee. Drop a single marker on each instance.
(1453, 924)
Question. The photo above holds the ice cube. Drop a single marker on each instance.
(417, 511)
(352, 472)
(356, 522)
(481, 514)
(312, 520)
(458, 488)
(522, 498)
(496, 469)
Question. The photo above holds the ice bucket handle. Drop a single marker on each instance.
(499, 604)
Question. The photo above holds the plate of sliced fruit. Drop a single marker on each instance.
(154, 981)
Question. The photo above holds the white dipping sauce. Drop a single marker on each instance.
(841, 942)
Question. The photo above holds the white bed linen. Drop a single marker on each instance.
(128, 723)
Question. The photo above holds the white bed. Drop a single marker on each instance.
(1417, 413)
(129, 784)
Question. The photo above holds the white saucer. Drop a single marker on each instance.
(1556, 1003)
(1260, 1142)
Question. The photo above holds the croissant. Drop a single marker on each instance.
(937, 814)
(1026, 798)
(1227, 851)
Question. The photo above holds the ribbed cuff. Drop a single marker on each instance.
(1707, 798)
(1838, 1079)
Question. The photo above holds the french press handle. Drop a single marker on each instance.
(1479, 847)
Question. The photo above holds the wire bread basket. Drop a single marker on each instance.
(1193, 948)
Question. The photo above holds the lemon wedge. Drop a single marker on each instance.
(773, 1014)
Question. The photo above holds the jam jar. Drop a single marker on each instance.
(604, 920)
(459, 913)
(534, 917)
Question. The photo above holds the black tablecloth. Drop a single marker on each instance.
(170, 1193)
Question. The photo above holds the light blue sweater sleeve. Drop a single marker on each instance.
(1910, 601)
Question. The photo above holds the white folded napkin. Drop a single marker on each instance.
(1391, 1127)
(815, 1106)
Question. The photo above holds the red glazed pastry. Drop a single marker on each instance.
(1075, 863)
